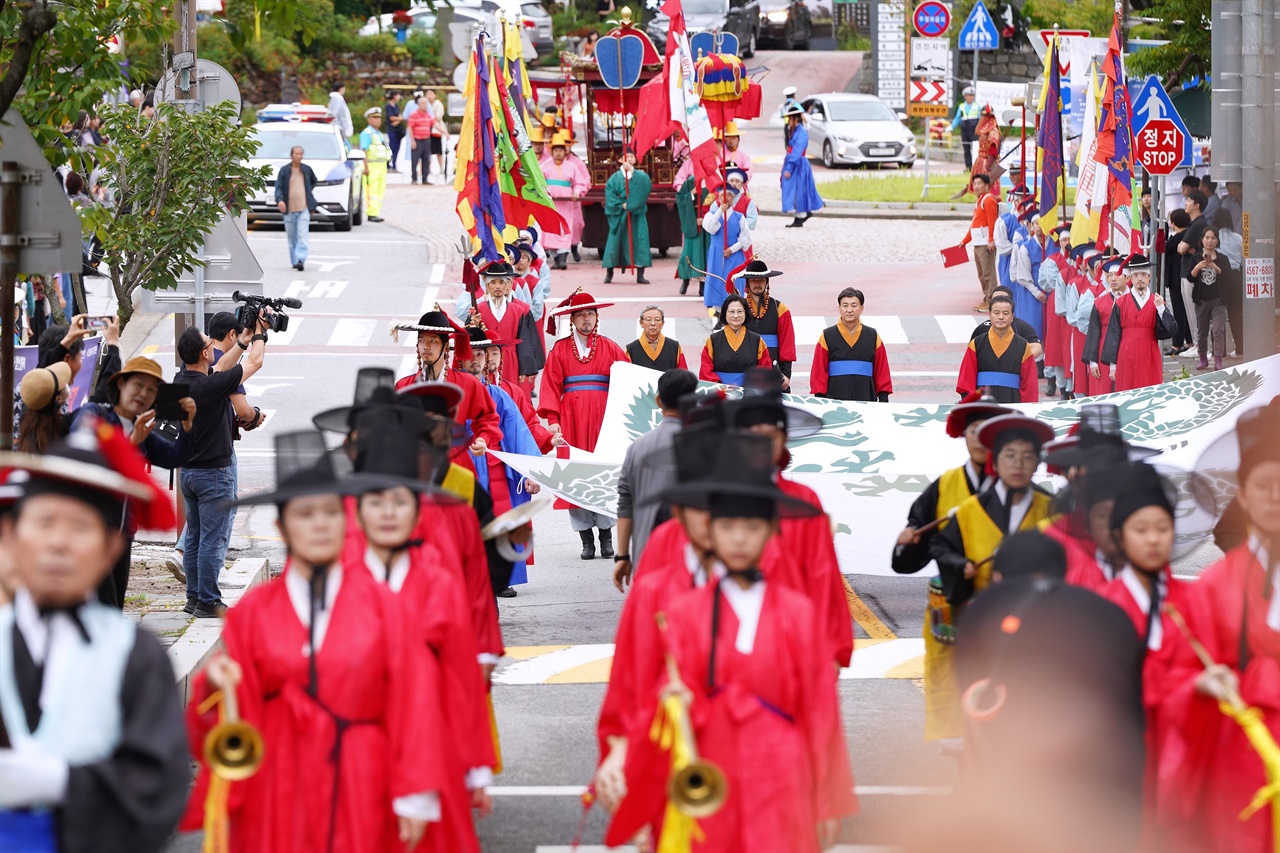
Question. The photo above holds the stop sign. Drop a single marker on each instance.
(1158, 146)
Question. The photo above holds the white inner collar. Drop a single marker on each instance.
(394, 575)
(299, 589)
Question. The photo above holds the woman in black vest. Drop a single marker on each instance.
(733, 348)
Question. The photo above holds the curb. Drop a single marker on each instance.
(189, 653)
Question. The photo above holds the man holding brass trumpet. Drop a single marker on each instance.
(92, 748)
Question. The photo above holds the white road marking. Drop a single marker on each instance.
(352, 333)
(257, 390)
(956, 328)
(646, 299)
(808, 329)
(888, 326)
(875, 661)
(437, 274)
(297, 288)
(328, 289)
(408, 365)
(539, 669)
(579, 790)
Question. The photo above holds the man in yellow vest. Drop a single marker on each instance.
(377, 153)
(911, 554)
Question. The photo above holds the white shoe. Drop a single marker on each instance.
(1189, 353)
(174, 564)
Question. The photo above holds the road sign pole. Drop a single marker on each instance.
(1258, 180)
(10, 190)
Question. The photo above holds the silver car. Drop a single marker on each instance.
(857, 130)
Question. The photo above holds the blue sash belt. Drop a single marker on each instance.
(996, 377)
(730, 378)
(586, 382)
(24, 831)
(849, 368)
(770, 341)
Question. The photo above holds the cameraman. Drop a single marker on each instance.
(131, 392)
(223, 330)
(208, 475)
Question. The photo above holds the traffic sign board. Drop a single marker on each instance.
(930, 110)
(928, 92)
(1152, 108)
(1159, 145)
(930, 58)
(979, 31)
(47, 232)
(932, 19)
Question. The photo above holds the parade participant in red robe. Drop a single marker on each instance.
(323, 666)
(435, 606)
(1140, 319)
(575, 389)
(757, 695)
(1100, 378)
(1235, 613)
(1142, 525)
(807, 541)
(435, 330)
(511, 320)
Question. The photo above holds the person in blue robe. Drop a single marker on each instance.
(799, 193)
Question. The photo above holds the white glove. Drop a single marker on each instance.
(31, 778)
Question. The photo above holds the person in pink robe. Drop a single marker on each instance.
(567, 183)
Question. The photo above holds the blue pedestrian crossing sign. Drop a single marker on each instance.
(979, 31)
(1152, 103)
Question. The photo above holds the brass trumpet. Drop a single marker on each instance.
(697, 787)
(233, 749)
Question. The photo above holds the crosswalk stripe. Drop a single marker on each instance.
(285, 338)
(349, 332)
(808, 329)
(437, 275)
(589, 663)
(956, 328)
(888, 326)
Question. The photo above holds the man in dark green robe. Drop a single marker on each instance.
(626, 202)
(693, 255)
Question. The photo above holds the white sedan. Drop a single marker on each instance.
(858, 130)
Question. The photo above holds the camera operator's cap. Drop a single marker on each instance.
(975, 407)
(755, 269)
(96, 464)
(304, 466)
(386, 457)
(369, 382)
(40, 387)
(141, 365)
(373, 111)
(999, 431)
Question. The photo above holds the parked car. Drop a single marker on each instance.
(786, 23)
(339, 190)
(740, 17)
(538, 22)
(858, 130)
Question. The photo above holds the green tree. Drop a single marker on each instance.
(1092, 15)
(57, 61)
(174, 178)
(1185, 24)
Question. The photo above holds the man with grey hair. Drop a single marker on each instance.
(652, 349)
(647, 471)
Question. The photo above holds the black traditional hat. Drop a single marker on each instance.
(997, 432)
(1099, 440)
(761, 403)
(755, 269)
(702, 407)
(481, 338)
(436, 401)
(436, 322)
(1030, 552)
(690, 458)
(502, 269)
(741, 483)
(975, 407)
(1143, 487)
(792, 109)
(304, 466)
(387, 456)
(374, 386)
(1138, 263)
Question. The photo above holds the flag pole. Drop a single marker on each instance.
(1061, 136)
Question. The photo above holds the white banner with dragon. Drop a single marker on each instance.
(871, 460)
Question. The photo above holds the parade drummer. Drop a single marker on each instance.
(92, 747)
(768, 317)
(849, 362)
(350, 732)
(575, 389)
(742, 646)
(732, 349)
(653, 349)
(377, 154)
(1000, 361)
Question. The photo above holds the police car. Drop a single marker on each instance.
(339, 168)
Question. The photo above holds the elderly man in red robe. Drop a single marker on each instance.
(1140, 319)
(575, 389)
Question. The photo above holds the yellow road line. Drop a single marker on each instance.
(862, 614)
(150, 349)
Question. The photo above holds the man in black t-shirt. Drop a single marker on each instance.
(1188, 247)
(208, 474)
(395, 126)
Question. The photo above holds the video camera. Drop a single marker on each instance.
(247, 314)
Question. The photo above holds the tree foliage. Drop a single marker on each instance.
(57, 61)
(174, 178)
(1092, 15)
(1185, 23)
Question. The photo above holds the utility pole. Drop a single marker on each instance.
(1258, 176)
(186, 89)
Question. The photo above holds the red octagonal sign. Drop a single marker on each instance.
(1158, 146)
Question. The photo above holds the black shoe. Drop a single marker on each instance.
(606, 543)
(1068, 395)
(375, 218)
(807, 217)
(217, 610)
(509, 592)
(190, 607)
(298, 266)
(796, 223)
(684, 286)
(588, 545)
(702, 285)
(577, 258)
(1052, 390)
(608, 276)
(640, 279)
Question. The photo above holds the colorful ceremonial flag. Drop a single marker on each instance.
(1091, 189)
(480, 205)
(1115, 146)
(1049, 142)
(524, 187)
(685, 105)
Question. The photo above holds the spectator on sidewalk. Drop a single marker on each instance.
(421, 122)
(395, 126)
(439, 130)
(44, 398)
(208, 475)
(339, 111)
(295, 184)
(1182, 338)
(1194, 203)
(132, 393)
